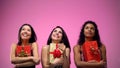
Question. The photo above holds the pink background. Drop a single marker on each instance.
(44, 15)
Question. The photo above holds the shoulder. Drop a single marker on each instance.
(76, 47)
(103, 48)
(14, 44)
(45, 47)
(34, 44)
(67, 50)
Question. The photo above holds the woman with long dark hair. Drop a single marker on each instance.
(56, 54)
(24, 54)
(89, 35)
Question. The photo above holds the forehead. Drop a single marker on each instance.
(26, 26)
(89, 25)
(58, 29)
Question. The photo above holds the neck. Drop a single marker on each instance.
(25, 42)
(88, 39)
(55, 41)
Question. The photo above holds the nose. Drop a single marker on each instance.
(89, 29)
(25, 31)
(57, 33)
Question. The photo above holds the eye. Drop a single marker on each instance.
(92, 28)
(60, 32)
(55, 31)
(29, 30)
(86, 27)
(23, 28)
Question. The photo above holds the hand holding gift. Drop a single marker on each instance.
(56, 51)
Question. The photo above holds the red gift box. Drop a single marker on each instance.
(54, 52)
(91, 51)
(23, 51)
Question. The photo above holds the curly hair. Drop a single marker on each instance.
(81, 39)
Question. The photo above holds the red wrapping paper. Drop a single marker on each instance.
(54, 52)
(91, 51)
(23, 51)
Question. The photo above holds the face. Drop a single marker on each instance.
(57, 35)
(89, 30)
(25, 33)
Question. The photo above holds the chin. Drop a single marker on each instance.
(25, 38)
(89, 36)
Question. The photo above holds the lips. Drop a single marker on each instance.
(56, 36)
(89, 33)
(25, 34)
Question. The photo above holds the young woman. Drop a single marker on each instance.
(89, 32)
(59, 40)
(24, 54)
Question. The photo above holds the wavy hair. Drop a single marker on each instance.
(33, 35)
(64, 37)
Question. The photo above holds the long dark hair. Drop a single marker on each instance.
(33, 35)
(64, 37)
(81, 39)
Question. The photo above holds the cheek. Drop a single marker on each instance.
(30, 35)
(29, 32)
(93, 31)
(84, 32)
(52, 34)
(20, 34)
(61, 36)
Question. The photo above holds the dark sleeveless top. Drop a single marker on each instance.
(24, 52)
(60, 66)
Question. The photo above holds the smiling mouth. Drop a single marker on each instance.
(24, 34)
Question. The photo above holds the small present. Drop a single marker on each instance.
(54, 52)
(91, 51)
(23, 51)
